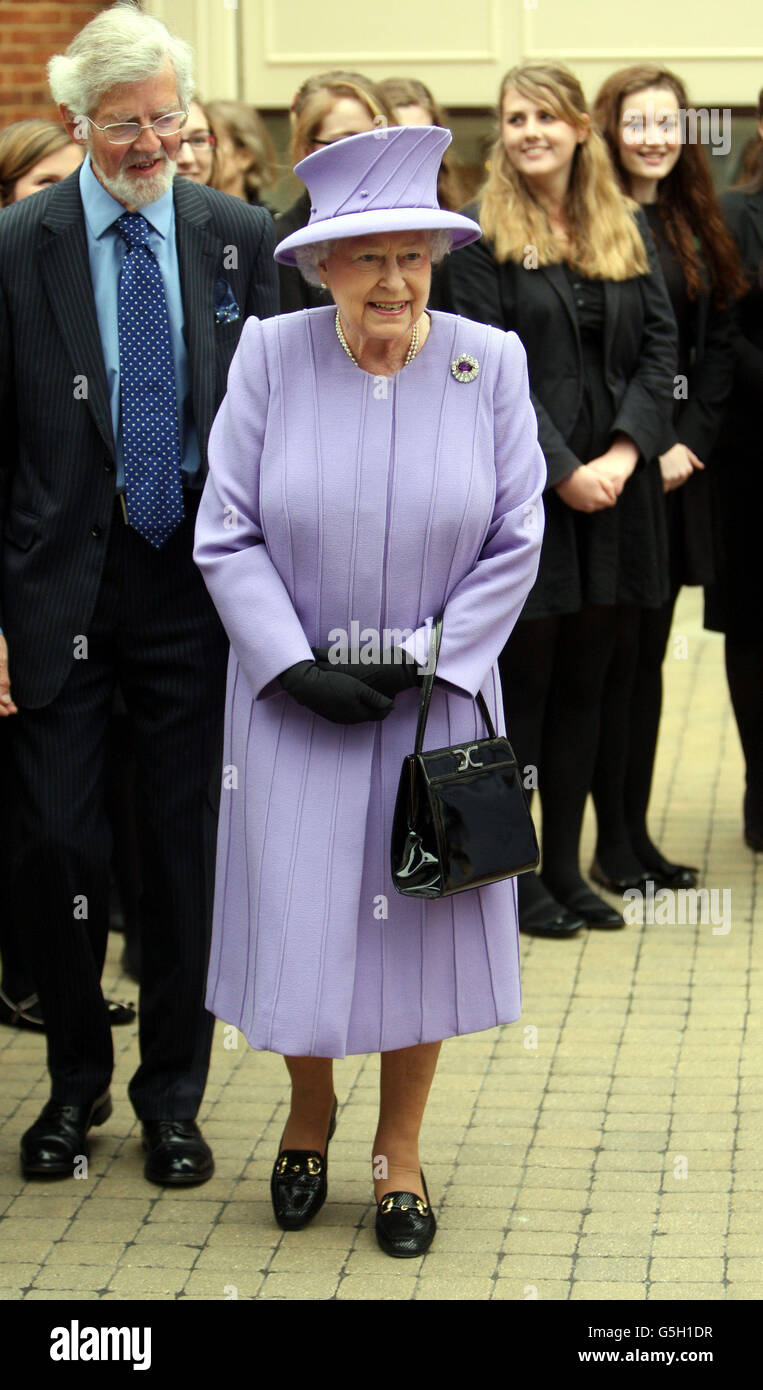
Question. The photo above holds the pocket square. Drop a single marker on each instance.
(226, 308)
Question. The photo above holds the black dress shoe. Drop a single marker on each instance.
(119, 1013)
(673, 876)
(178, 1155)
(617, 885)
(298, 1183)
(50, 1148)
(594, 911)
(405, 1224)
(549, 919)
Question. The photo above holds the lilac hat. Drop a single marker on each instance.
(384, 180)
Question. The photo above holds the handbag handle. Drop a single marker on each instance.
(427, 686)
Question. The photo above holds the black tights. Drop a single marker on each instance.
(744, 671)
(553, 672)
(622, 779)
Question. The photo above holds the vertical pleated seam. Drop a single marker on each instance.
(432, 505)
(384, 598)
(255, 917)
(244, 782)
(377, 745)
(290, 881)
(328, 904)
(485, 940)
(313, 370)
(481, 379)
(228, 747)
(284, 510)
(358, 456)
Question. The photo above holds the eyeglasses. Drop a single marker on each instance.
(199, 142)
(124, 132)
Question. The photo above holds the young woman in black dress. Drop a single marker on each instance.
(638, 111)
(565, 262)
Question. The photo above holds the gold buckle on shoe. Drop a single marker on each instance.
(314, 1166)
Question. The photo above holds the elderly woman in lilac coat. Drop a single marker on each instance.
(371, 466)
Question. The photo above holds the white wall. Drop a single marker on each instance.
(261, 50)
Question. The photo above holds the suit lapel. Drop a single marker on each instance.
(557, 276)
(200, 251)
(65, 272)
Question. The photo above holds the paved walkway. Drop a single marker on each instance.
(607, 1146)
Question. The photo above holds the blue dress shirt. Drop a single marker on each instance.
(106, 251)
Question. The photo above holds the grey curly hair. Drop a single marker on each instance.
(309, 257)
(120, 46)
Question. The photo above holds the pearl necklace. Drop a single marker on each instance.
(412, 349)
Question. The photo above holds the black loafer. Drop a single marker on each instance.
(299, 1183)
(617, 885)
(594, 911)
(54, 1143)
(549, 919)
(405, 1224)
(178, 1155)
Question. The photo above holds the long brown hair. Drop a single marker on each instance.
(604, 240)
(687, 203)
(22, 145)
(247, 131)
(317, 96)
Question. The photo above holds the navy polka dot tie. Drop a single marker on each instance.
(153, 482)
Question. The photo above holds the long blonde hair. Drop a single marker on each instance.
(604, 240)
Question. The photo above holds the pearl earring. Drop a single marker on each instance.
(324, 286)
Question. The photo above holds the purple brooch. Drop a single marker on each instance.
(464, 367)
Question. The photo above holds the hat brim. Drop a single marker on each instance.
(463, 230)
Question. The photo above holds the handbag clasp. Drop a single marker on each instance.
(466, 754)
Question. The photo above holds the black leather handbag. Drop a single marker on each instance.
(461, 818)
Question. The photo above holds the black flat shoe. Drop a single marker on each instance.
(405, 1224)
(594, 911)
(54, 1143)
(549, 919)
(673, 876)
(617, 885)
(178, 1155)
(298, 1183)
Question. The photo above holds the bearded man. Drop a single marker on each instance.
(123, 292)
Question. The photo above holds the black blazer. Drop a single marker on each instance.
(618, 555)
(734, 604)
(640, 343)
(58, 469)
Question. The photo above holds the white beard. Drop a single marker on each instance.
(125, 189)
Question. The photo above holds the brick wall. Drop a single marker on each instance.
(31, 31)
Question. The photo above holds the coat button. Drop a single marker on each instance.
(96, 530)
(108, 464)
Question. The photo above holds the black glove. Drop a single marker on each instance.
(333, 695)
(388, 677)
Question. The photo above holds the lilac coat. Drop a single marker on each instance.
(335, 496)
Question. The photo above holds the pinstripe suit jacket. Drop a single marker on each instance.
(58, 458)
